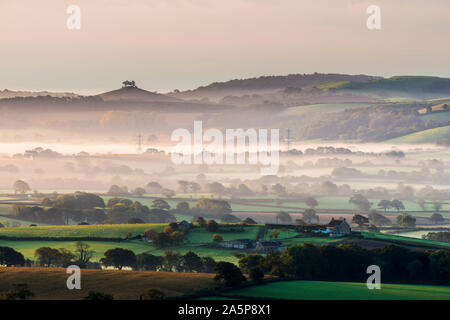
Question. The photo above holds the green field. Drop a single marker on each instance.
(412, 241)
(218, 254)
(398, 86)
(329, 107)
(27, 248)
(21, 223)
(320, 290)
(425, 136)
(200, 235)
(101, 231)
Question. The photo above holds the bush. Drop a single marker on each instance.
(98, 296)
(256, 274)
(152, 294)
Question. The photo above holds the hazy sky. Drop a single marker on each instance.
(168, 44)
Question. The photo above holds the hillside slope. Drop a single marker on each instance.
(268, 84)
(414, 86)
(135, 94)
(50, 283)
(425, 136)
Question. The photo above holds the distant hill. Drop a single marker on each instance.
(414, 86)
(268, 84)
(134, 94)
(13, 94)
(426, 136)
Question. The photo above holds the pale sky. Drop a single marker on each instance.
(169, 44)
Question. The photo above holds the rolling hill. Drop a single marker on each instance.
(134, 94)
(399, 86)
(268, 84)
(425, 136)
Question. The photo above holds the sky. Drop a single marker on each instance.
(182, 44)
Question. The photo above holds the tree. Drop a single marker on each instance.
(360, 220)
(284, 217)
(378, 219)
(201, 221)
(153, 187)
(162, 239)
(384, 204)
(275, 233)
(208, 264)
(119, 258)
(139, 192)
(86, 200)
(360, 202)
(437, 218)
(47, 256)
(217, 238)
(405, 220)
(21, 186)
(182, 207)
(192, 262)
(173, 261)
(160, 204)
(212, 207)
(146, 261)
(437, 206)
(311, 202)
(212, 226)
(230, 218)
(249, 221)
(397, 204)
(216, 188)
(10, 257)
(229, 274)
(251, 261)
(98, 296)
(421, 203)
(256, 274)
(168, 193)
(152, 294)
(183, 186)
(115, 190)
(66, 201)
(309, 215)
(83, 253)
(135, 220)
(279, 190)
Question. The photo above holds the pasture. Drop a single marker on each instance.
(99, 231)
(322, 290)
(27, 248)
(201, 235)
(425, 136)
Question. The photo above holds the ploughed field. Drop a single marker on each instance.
(50, 283)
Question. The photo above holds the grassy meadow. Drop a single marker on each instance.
(322, 290)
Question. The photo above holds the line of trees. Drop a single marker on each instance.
(348, 262)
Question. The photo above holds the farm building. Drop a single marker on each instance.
(338, 228)
(265, 246)
(238, 244)
(184, 225)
